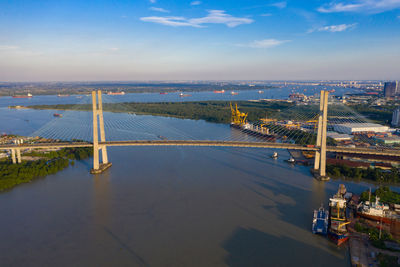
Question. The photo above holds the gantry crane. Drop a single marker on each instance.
(238, 118)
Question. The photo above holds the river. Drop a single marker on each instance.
(163, 206)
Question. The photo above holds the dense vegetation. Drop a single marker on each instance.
(70, 153)
(379, 114)
(387, 260)
(384, 193)
(374, 174)
(212, 111)
(52, 162)
(373, 234)
(219, 111)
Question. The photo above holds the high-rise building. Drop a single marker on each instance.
(396, 117)
(391, 89)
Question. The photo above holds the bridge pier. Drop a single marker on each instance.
(19, 155)
(320, 155)
(13, 158)
(98, 113)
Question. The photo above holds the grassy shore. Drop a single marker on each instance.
(49, 163)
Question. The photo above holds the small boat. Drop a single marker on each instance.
(60, 95)
(320, 221)
(219, 91)
(274, 155)
(57, 115)
(162, 137)
(291, 160)
(234, 93)
(260, 92)
(163, 93)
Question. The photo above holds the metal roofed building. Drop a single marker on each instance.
(339, 137)
(350, 128)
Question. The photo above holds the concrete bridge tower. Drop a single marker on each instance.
(320, 155)
(97, 106)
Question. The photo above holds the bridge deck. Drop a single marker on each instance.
(206, 143)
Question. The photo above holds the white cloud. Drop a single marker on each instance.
(169, 21)
(266, 43)
(334, 28)
(220, 17)
(159, 9)
(17, 51)
(280, 4)
(213, 17)
(152, 1)
(8, 47)
(113, 49)
(369, 6)
(195, 3)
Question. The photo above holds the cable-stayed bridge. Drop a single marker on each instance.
(311, 135)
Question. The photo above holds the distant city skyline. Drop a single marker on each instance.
(71, 40)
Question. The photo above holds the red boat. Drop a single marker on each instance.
(163, 93)
(376, 211)
(57, 115)
(219, 92)
(23, 96)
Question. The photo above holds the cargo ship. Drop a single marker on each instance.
(184, 95)
(376, 211)
(23, 96)
(337, 230)
(219, 92)
(57, 115)
(320, 221)
(115, 93)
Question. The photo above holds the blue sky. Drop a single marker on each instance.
(199, 40)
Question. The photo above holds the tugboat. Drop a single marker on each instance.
(275, 155)
(337, 230)
(291, 160)
(320, 221)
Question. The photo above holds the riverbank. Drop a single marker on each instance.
(40, 165)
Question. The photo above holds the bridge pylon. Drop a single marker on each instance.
(320, 154)
(97, 106)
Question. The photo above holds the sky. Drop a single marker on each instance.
(75, 40)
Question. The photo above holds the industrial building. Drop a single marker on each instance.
(339, 137)
(351, 128)
(391, 89)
